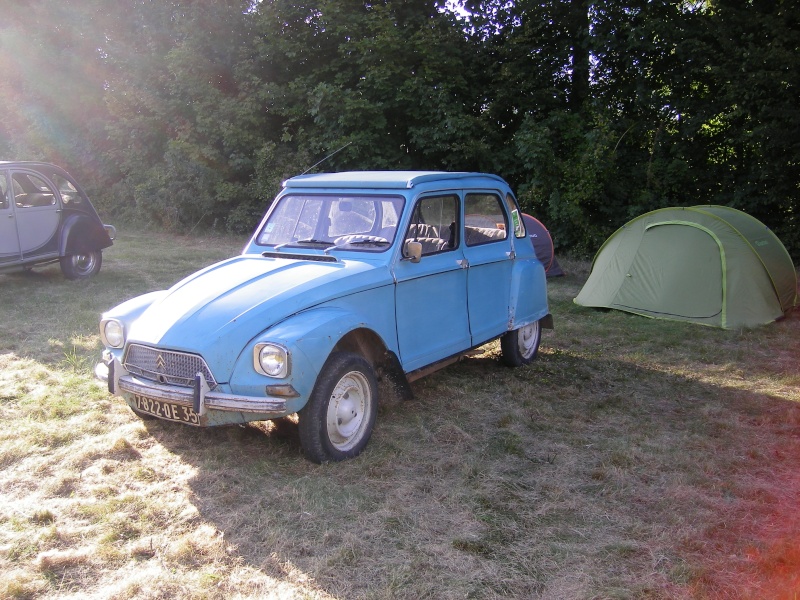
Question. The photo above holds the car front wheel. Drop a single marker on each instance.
(81, 265)
(337, 422)
(519, 347)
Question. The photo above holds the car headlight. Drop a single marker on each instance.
(113, 333)
(271, 360)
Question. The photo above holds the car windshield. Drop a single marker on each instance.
(363, 223)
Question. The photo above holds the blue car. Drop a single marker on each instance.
(350, 278)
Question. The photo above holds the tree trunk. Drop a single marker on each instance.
(580, 43)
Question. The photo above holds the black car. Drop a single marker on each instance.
(46, 217)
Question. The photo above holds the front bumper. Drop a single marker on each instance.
(213, 407)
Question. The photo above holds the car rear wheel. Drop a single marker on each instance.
(337, 422)
(81, 265)
(519, 347)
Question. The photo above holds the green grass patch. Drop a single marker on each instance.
(634, 458)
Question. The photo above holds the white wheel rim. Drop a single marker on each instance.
(348, 410)
(528, 339)
(83, 263)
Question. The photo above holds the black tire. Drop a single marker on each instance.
(81, 265)
(337, 422)
(519, 347)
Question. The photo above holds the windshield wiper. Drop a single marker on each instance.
(313, 241)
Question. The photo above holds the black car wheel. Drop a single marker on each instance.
(337, 421)
(82, 265)
(519, 347)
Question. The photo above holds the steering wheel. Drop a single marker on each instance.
(359, 239)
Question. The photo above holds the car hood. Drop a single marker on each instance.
(217, 311)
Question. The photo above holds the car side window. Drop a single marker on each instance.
(485, 220)
(31, 191)
(3, 191)
(69, 193)
(516, 216)
(434, 224)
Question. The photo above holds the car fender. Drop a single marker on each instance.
(309, 336)
(80, 233)
(126, 313)
(528, 301)
(129, 311)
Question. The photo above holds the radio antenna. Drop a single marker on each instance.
(326, 158)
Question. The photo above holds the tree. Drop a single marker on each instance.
(51, 92)
(389, 81)
(688, 103)
(757, 137)
(184, 128)
(193, 111)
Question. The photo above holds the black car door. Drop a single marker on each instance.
(37, 213)
(9, 242)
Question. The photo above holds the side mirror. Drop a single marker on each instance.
(412, 251)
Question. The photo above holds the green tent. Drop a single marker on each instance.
(712, 265)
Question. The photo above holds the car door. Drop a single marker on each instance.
(431, 295)
(488, 249)
(9, 242)
(37, 212)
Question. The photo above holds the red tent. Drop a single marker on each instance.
(543, 245)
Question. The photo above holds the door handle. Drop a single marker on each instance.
(463, 263)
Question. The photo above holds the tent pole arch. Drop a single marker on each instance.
(707, 210)
(722, 258)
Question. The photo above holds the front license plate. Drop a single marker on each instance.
(166, 410)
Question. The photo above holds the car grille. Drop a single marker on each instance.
(166, 366)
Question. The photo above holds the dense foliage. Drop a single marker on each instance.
(189, 113)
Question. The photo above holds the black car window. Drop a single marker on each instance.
(69, 193)
(32, 191)
(3, 191)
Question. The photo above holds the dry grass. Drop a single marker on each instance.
(634, 459)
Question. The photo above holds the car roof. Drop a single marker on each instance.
(384, 179)
(31, 164)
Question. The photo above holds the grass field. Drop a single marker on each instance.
(634, 459)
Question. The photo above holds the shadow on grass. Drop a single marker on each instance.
(633, 459)
(574, 477)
